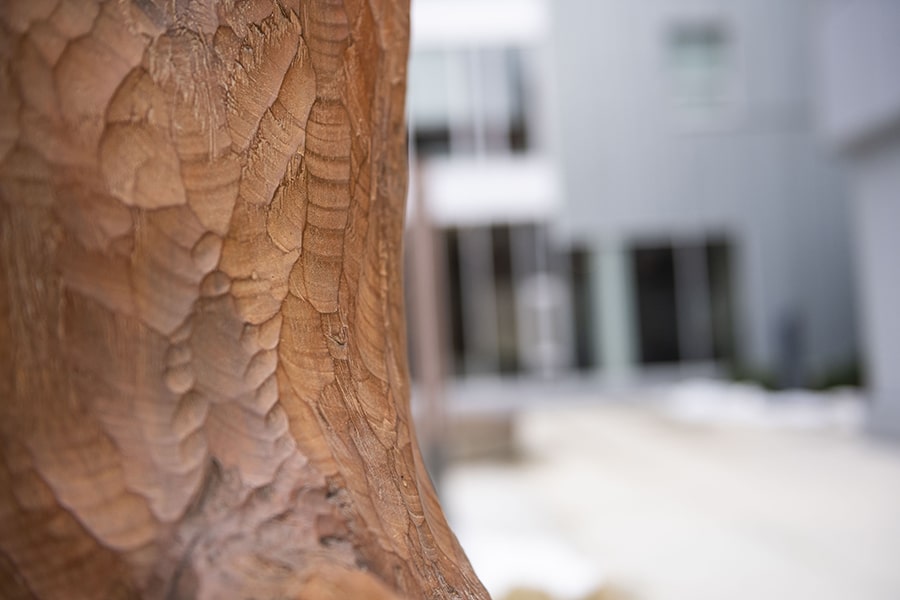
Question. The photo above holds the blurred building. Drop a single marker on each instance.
(630, 188)
(480, 123)
(859, 99)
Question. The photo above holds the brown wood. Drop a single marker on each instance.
(204, 391)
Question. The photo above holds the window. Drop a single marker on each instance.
(654, 276)
(482, 299)
(700, 63)
(684, 301)
(430, 101)
(469, 101)
(510, 310)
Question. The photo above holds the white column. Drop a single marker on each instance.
(877, 206)
(615, 333)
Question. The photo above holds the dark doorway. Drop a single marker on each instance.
(654, 277)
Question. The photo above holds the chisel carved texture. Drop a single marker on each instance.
(204, 388)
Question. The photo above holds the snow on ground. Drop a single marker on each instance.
(707, 491)
(736, 404)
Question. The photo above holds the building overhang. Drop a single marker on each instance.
(481, 23)
(859, 86)
(472, 191)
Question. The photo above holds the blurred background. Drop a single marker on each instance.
(653, 285)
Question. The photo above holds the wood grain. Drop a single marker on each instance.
(203, 380)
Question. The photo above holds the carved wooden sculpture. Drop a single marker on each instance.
(204, 389)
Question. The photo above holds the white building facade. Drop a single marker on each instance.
(483, 164)
(859, 53)
(631, 187)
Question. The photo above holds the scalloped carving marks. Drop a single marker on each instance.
(258, 268)
(304, 354)
(206, 252)
(328, 190)
(158, 153)
(141, 167)
(287, 213)
(327, 33)
(210, 169)
(201, 206)
(268, 104)
(281, 132)
(326, 164)
(164, 277)
(370, 306)
(328, 155)
(235, 364)
(92, 66)
(262, 61)
(94, 489)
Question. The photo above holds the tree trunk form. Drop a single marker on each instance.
(204, 389)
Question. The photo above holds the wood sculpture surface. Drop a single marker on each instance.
(204, 389)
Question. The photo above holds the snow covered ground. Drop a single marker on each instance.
(705, 491)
